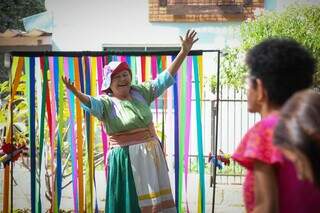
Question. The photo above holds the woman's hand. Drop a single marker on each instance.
(69, 84)
(82, 97)
(186, 45)
(188, 40)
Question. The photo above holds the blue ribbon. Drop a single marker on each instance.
(32, 137)
(72, 136)
(176, 138)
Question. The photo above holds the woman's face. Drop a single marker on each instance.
(252, 95)
(300, 162)
(121, 83)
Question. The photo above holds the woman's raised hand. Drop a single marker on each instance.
(186, 45)
(69, 84)
(82, 97)
(188, 40)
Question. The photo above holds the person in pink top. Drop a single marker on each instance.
(277, 69)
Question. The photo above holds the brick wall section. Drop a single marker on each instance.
(161, 14)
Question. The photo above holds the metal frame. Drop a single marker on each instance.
(214, 130)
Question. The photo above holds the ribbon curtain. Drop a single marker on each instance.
(61, 112)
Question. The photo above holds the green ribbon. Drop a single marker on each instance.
(182, 122)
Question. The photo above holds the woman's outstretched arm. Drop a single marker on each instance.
(186, 45)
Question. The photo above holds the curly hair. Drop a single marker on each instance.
(299, 128)
(284, 67)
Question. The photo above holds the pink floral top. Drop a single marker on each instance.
(294, 195)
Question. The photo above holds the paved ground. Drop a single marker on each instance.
(228, 197)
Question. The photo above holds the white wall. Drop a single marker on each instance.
(86, 25)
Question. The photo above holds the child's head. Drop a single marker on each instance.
(278, 68)
(298, 134)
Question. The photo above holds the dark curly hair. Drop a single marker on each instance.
(283, 65)
(299, 128)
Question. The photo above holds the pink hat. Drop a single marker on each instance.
(113, 68)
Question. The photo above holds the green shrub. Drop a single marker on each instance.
(299, 22)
